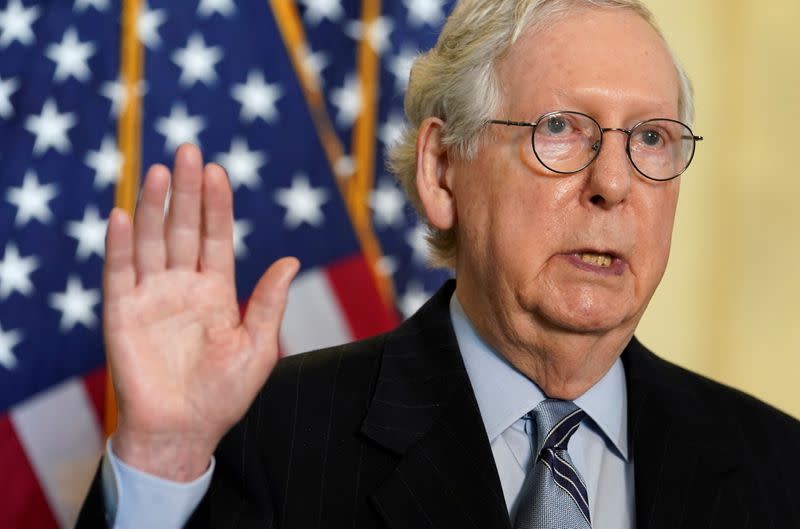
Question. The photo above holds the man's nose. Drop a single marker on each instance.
(610, 175)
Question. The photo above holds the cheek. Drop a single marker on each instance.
(536, 216)
(497, 227)
(658, 236)
(666, 216)
(525, 217)
(509, 214)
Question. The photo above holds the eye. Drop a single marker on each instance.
(651, 138)
(556, 124)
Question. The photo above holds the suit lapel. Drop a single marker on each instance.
(424, 411)
(683, 478)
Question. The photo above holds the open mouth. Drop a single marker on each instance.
(604, 263)
(602, 260)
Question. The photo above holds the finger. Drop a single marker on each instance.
(119, 272)
(149, 246)
(268, 302)
(217, 242)
(183, 219)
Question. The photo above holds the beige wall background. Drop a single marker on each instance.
(729, 305)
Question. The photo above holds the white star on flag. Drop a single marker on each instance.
(400, 66)
(242, 164)
(197, 61)
(348, 100)
(386, 266)
(376, 33)
(15, 272)
(76, 305)
(417, 239)
(392, 130)
(413, 298)
(303, 203)
(71, 56)
(83, 5)
(313, 63)
(16, 22)
(420, 12)
(116, 92)
(241, 229)
(50, 129)
(147, 26)
(257, 98)
(387, 203)
(345, 167)
(32, 200)
(179, 127)
(7, 87)
(106, 163)
(226, 8)
(319, 10)
(8, 340)
(90, 234)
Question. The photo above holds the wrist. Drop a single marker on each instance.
(167, 456)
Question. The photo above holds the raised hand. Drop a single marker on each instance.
(185, 365)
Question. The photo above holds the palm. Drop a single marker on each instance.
(164, 351)
(185, 364)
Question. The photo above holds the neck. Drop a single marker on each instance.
(563, 363)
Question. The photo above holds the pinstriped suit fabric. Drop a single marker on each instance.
(386, 433)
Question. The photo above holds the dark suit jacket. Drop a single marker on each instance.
(386, 433)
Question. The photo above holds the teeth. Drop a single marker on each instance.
(595, 259)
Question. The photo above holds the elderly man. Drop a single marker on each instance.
(548, 139)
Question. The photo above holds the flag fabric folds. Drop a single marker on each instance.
(306, 166)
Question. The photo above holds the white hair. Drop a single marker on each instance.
(456, 82)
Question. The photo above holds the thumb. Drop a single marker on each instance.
(264, 313)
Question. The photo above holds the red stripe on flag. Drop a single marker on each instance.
(22, 502)
(359, 299)
(95, 384)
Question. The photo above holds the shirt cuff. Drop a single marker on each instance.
(135, 499)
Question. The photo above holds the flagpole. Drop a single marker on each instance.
(364, 136)
(356, 186)
(129, 138)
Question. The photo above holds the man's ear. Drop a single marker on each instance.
(434, 175)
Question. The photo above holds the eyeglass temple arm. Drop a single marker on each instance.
(511, 123)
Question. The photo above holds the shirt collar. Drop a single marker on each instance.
(505, 395)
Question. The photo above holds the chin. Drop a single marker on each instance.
(579, 324)
(584, 317)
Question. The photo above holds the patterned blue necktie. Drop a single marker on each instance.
(554, 495)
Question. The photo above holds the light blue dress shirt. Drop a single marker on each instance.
(599, 449)
(135, 499)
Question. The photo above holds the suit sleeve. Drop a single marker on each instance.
(239, 496)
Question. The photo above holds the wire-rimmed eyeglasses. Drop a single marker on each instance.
(566, 142)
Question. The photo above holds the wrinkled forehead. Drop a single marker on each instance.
(590, 56)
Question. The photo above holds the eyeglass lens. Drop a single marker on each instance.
(567, 142)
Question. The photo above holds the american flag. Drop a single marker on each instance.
(298, 100)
